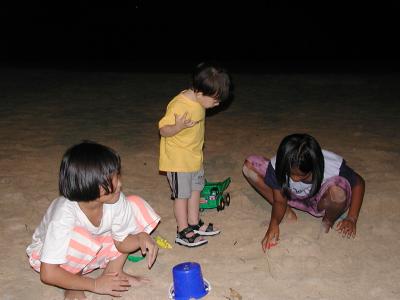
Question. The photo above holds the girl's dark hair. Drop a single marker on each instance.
(84, 168)
(211, 80)
(300, 151)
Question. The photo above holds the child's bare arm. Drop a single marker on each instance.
(348, 226)
(278, 207)
(180, 123)
(107, 284)
(278, 211)
(357, 196)
(141, 240)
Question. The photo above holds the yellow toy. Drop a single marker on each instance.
(162, 243)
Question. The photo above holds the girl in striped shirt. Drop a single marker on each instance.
(92, 225)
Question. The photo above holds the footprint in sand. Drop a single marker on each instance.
(299, 263)
(303, 246)
(311, 263)
(299, 241)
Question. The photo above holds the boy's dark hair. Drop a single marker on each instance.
(212, 80)
(84, 168)
(300, 151)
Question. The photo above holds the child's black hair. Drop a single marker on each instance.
(300, 151)
(84, 168)
(212, 80)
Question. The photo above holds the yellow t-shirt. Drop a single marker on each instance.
(183, 152)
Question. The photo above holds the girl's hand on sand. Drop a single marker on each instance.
(271, 238)
(148, 247)
(347, 228)
(183, 123)
(111, 284)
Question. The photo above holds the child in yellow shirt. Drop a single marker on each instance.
(181, 149)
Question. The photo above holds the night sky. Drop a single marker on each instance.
(176, 32)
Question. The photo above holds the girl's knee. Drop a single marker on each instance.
(336, 194)
(247, 164)
(246, 167)
(249, 173)
(256, 164)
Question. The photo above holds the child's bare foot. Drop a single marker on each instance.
(135, 280)
(74, 295)
(290, 215)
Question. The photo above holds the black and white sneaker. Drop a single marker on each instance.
(210, 231)
(194, 241)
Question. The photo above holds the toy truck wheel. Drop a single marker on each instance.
(228, 199)
(201, 209)
(221, 205)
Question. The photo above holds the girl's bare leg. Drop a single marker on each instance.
(334, 204)
(117, 265)
(256, 180)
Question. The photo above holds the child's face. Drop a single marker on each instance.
(207, 101)
(112, 197)
(297, 175)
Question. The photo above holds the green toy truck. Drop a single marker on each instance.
(213, 196)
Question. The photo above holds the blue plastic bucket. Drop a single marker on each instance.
(188, 281)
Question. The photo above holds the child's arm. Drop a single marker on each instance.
(348, 226)
(278, 212)
(141, 240)
(180, 123)
(106, 284)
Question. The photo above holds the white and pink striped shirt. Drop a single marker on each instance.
(65, 229)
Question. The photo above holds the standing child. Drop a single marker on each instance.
(181, 149)
(307, 178)
(92, 225)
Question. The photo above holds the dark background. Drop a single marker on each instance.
(170, 35)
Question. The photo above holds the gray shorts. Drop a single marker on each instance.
(184, 183)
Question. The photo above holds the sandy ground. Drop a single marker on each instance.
(42, 112)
